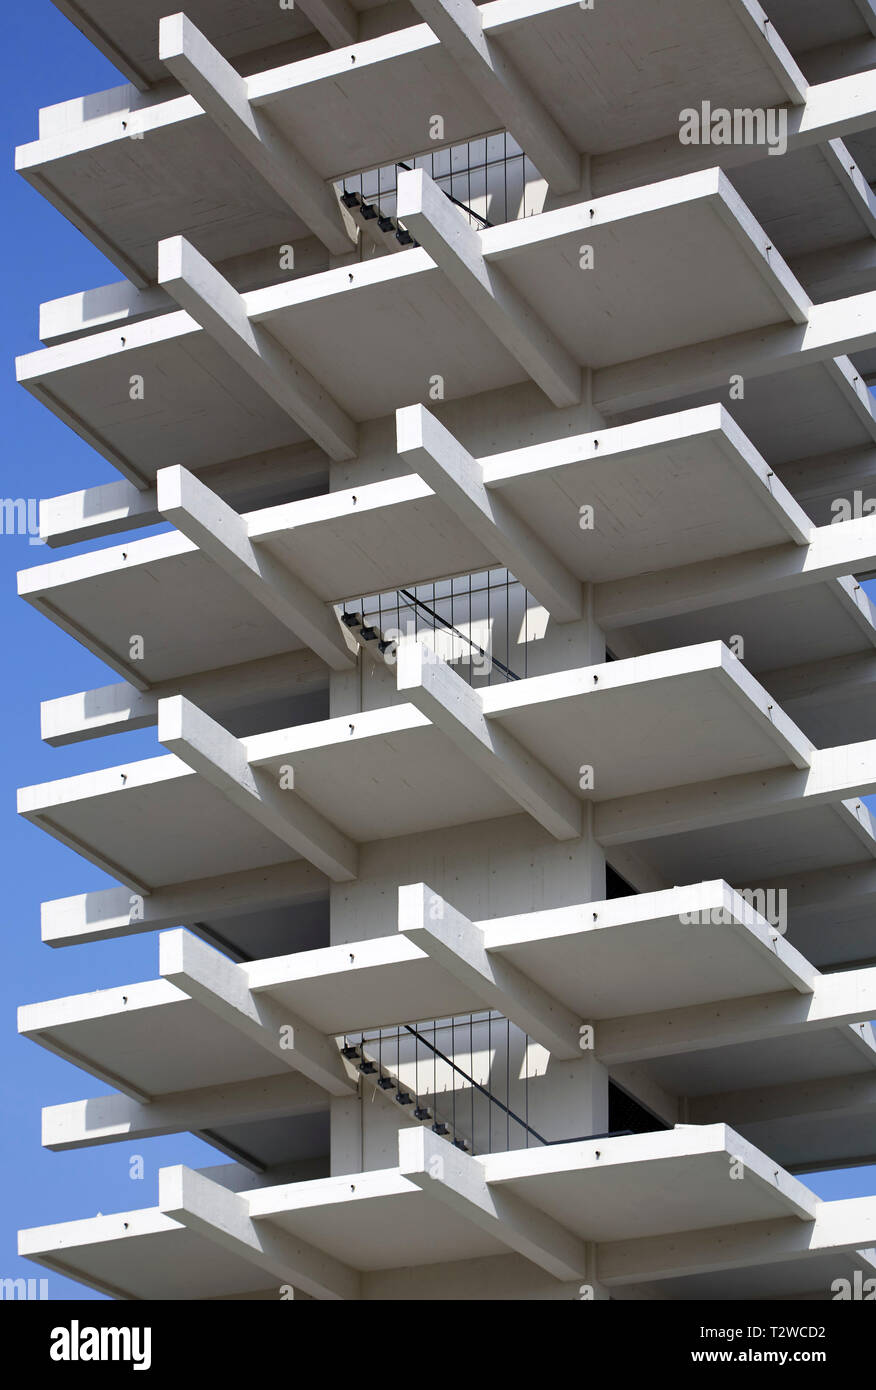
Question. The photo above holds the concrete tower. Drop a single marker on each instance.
(502, 374)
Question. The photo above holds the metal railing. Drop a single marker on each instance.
(480, 623)
(490, 179)
(475, 1095)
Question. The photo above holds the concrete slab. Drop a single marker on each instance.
(189, 613)
(199, 1072)
(637, 480)
(112, 1034)
(129, 37)
(577, 955)
(790, 415)
(348, 116)
(154, 822)
(786, 1281)
(778, 631)
(805, 1057)
(196, 407)
(805, 27)
(172, 1263)
(763, 850)
(601, 1191)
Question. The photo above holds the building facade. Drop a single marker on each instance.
(500, 377)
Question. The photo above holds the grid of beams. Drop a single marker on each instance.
(644, 403)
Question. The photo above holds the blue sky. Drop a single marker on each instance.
(45, 60)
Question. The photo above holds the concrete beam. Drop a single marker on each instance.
(220, 532)
(111, 708)
(457, 944)
(214, 304)
(838, 1226)
(215, 982)
(110, 912)
(868, 13)
(220, 758)
(457, 478)
(107, 1119)
(831, 110)
(816, 683)
(444, 232)
(455, 708)
(835, 550)
(852, 181)
(335, 20)
(204, 1206)
(840, 271)
(457, 1179)
(222, 93)
(773, 48)
(116, 54)
(819, 479)
(825, 891)
(832, 1099)
(838, 327)
(835, 774)
(853, 388)
(459, 26)
(96, 511)
(844, 997)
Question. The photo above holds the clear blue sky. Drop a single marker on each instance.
(45, 60)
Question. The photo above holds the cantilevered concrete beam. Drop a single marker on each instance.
(868, 13)
(814, 684)
(221, 91)
(455, 247)
(111, 708)
(845, 1225)
(831, 110)
(220, 758)
(838, 327)
(215, 982)
(834, 1098)
(450, 1176)
(220, 532)
(111, 912)
(836, 999)
(96, 511)
(457, 944)
(842, 548)
(851, 179)
(203, 1205)
(844, 887)
(457, 479)
(336, 20)
(198, 287)
(454, 707)
(834, 775)
(107, 1119)
(459, 26)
